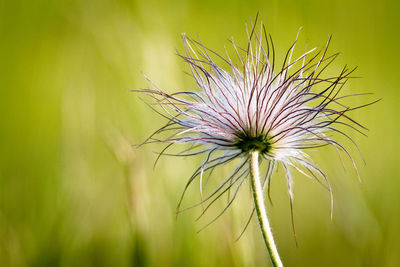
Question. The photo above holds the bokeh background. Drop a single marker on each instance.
(75, 192)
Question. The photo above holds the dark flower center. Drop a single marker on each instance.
(250, 143)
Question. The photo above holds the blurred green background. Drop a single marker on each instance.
(75, 192)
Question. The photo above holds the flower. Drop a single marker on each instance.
(250, 106)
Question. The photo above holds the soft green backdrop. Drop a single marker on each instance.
(73, 190)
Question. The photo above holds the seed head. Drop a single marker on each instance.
(252, 104)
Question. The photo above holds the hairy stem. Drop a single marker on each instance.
(261, 211)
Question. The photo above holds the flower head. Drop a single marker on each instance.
(252, 104)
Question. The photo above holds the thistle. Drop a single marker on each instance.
(254, 110)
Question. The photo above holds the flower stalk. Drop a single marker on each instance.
(261, 211)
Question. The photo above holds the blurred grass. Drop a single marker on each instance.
(73, 190)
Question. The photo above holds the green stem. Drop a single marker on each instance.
(261, 211)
